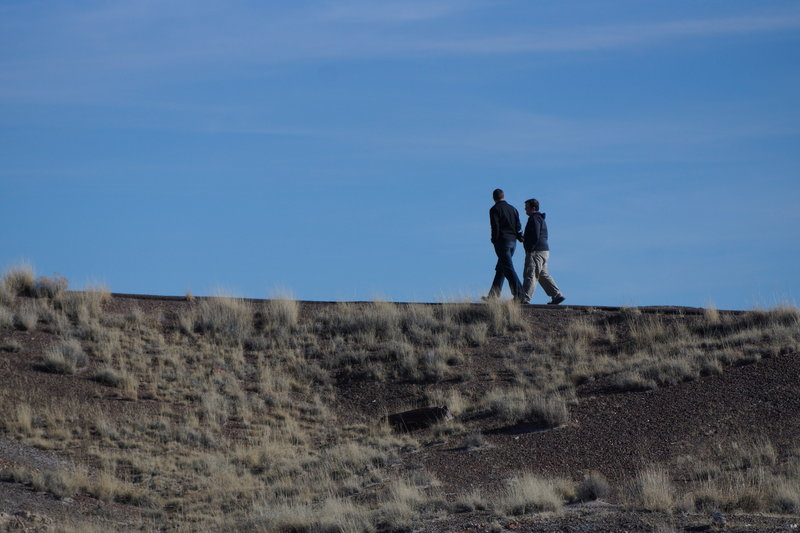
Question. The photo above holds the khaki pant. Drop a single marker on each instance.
(536, 271)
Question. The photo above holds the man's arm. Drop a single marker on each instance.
(494, 222)
(536, 230)
(526, 237)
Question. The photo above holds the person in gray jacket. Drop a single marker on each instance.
(537, 252)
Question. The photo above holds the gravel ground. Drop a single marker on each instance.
(617, 434)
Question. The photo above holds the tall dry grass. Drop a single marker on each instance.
(282, 311)
(653, 490)
(26, 317)
(532, 493)
(224, 318)
(19, 280)
(744, 474)
(520, 406)
(65, 357)
(6, 317)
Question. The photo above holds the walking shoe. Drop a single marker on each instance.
(557, 299)
(488, 298)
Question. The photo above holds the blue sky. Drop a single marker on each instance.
(347, 150)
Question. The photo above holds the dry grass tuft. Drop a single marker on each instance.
(505, 316)
(711, 315)
(21, 421)
(531, 493)
(85, 306)
(19, 280)
(517, 405)
(452, 398)
(281, 312)
(580, 335)
(473, 441)
(6, 317)
(6, 296)
(26, 318)
(105, 487)
(334, 514)
(45, 287)
(224, 318)
(64, 358)
(400, 509)
(60, 483)
(653, 490)
(474, 500)
(108, 377)
(594, 486)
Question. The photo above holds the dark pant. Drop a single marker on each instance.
(505, 270)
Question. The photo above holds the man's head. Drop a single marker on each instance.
(531, 206)
(498, 195)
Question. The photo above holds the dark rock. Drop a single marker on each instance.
(419, 418)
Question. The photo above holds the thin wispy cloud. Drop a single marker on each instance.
(508, 132)
(610, 37)
(155, 35)
(118, 47)
(394, 11)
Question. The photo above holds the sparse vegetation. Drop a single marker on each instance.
(252, 400)
(742, 475)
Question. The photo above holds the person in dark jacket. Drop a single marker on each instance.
(537, 252)
(504, 220)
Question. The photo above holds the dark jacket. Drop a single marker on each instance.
(535, 239)
(504, 219)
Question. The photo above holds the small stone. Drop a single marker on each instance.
(718, 519)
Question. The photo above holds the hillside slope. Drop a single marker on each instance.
(150, 413)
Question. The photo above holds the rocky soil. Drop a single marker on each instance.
(611, 433)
